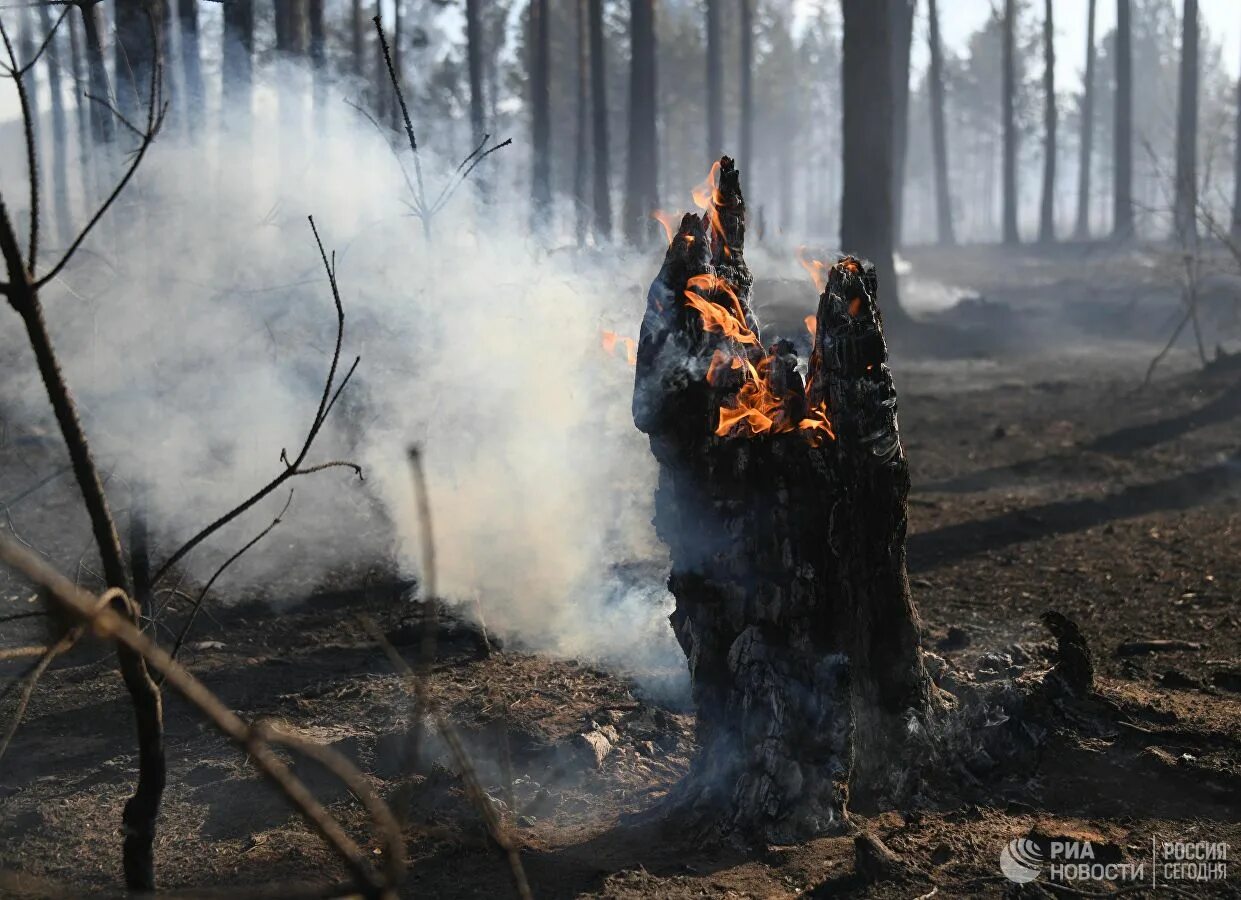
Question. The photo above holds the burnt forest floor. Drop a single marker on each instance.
(1045, 477)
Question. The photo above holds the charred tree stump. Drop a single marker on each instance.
(783, 502)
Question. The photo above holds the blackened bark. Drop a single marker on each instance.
(1047, 209)
(866, 208)
(715, 82)
(602, 193)
(581, 163)
(237, 55)
(745, 140)
(1009, 88)
(1186, 209)
(474, 66)
(642, 168)
(1122, 132)
(60, 131)
(788, 551)
(939, 137)
(191, 63)
(540, 109)
(1082, 229)
(903, 33)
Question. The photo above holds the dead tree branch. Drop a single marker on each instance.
(100, 615)
(295, 467)
(141, 812)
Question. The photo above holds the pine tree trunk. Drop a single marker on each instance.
(715, 82)
(191, 61)
(788, 552)
(237, 65)
(86, 160)
(1186, 208)
(745, 140)
(581, 163)
(60, 132)
(474, 65)
(1010, 124)
(318, 56)
(866, 208)
(602, 166)
(103, 127)
(540, 107)
(939, 138)
(642, 166)
(1122, 191)
(357, 39)
(1047, 209)
(135, 51)
(1082, 230)
(1236, 170)
(903, 25)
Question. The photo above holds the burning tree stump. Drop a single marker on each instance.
(783, 502)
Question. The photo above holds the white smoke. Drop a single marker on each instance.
(196, 330)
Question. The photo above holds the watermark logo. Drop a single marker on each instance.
(1021, 860)
(1063, 860)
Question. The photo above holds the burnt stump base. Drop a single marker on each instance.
(782, 499)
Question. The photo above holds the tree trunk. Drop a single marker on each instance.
(383, 85)
(540, 107)
(357, 39)
(193, 94)
(237, 62)
(745, 140)
(642, 167)
(1047, 209)
(1010, 125)
(1122, 191)
(903, 25)
(103, 127)
(1186, 210)
(1082, 230)
(86, 159)
(715, 82)
(1236, 170)
(318, 56)
(60, 132)
(866, 207)
(787, 546)
(136, 51)
(474, 64)
(939, 139)
(582, 161)
(602, 195)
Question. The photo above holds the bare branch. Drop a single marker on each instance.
(421, 195)
(93, 612)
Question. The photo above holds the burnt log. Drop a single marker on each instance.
(782, 500)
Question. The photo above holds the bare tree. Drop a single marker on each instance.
(939, 138)
(237, 62)
(866, 208)
(1047, 209)
(745, 140)
(1122, 132)
(581, 163)
(715, 82)
(60, 130)
(601, 164)
(642, 166)
(1186, 202)
(903, 31)
(1082, 230)
(540, 113)
(1009, 125)
(474, 65)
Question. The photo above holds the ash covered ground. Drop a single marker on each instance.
(1046, 476)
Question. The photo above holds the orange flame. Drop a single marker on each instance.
(708, 198)
(812, 324)
(611, 339)
(716, 318)
(815, 267)
(667, 220)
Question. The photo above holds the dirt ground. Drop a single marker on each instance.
(1046, 476)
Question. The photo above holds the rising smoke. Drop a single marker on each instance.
(197, 330)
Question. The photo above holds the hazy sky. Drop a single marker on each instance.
(961, 18)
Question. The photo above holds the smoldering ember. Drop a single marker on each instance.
(620, 449)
